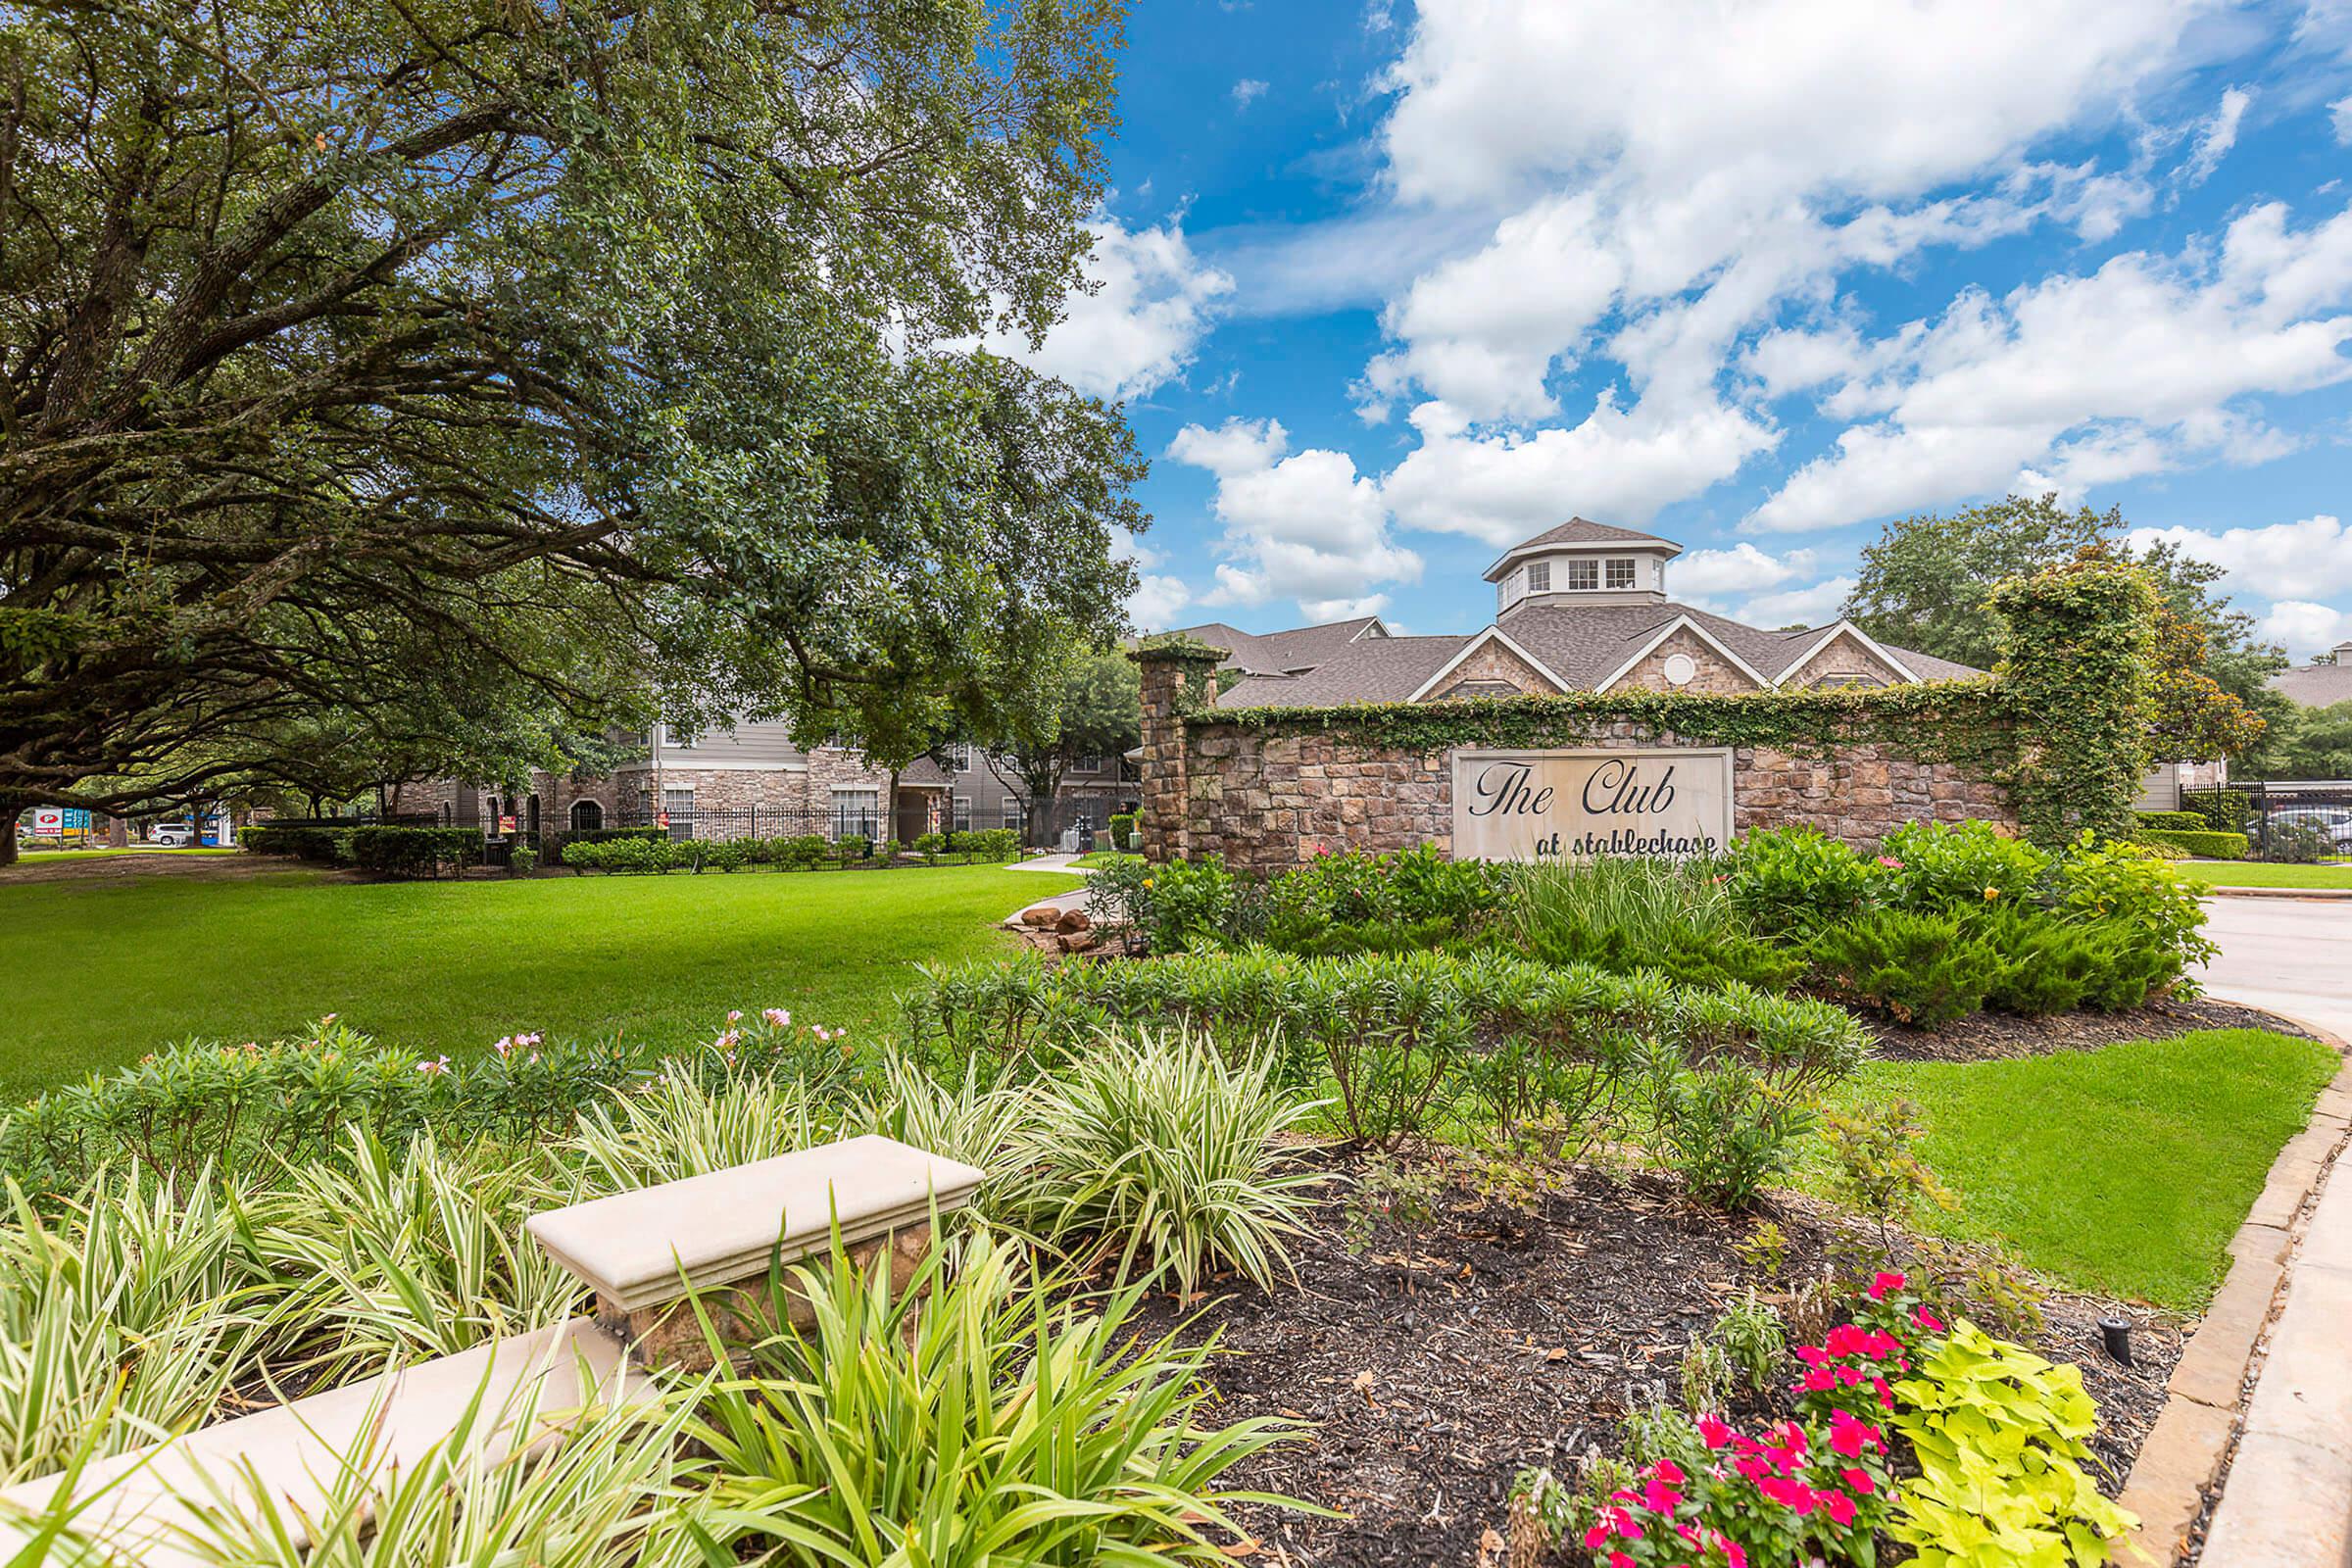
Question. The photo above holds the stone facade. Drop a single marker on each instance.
(1846, 663)
(1716, 674)
(1490, 663)
(1265, 799)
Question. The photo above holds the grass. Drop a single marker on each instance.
(102, 972)
(2256, 875)
(2125, 1170)
(103, 852)
(1103, 858)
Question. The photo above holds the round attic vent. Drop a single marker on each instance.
(1680, 670)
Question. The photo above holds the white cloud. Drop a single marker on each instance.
(1304, 526)
(2302, 627)
(2218, 138)
(2087, 379)
(1809, 606)
(2286, 560)
(1741, 570)
(2339, 116)
(1773, 99)
(1140, 327)
(1501, 486)
(1158, 595)
(1247, 91)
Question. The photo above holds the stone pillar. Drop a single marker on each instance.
(1178, 677)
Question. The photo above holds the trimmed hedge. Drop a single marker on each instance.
(2174, 821)
(2223, 810)
(326, 845)
(551, 844)
(1123, 830)
(415, 852)
(2206, 846)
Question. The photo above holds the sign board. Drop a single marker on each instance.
(1674, 802)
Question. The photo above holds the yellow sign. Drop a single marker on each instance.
(1536, 805)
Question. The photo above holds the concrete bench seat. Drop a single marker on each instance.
(146, 1498)
(644, 1251)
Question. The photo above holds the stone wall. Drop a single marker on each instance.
(1266, 798)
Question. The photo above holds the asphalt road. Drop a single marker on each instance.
(2290, 956)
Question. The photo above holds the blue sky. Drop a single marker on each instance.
(1387, 287)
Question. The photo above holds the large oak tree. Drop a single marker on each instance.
(544, 344)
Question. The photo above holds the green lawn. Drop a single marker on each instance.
(2123, 1170)
(1101, 858)
(101, 971)
(2256, 875)
(51, 857)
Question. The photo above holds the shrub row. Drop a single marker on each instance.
(2204, 844)
(1346, 903)
(326, 846)
(1407, 1042)
(658, 854)
(1123, 831)
(973, 844)
(394, 852)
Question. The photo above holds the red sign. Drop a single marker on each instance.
(506, 826)
(661, 820)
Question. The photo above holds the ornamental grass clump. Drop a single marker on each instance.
(1628, 912)
(1152, 1148)
(977, 1417)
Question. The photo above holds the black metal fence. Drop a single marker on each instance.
(853, 817)
(2314, 807)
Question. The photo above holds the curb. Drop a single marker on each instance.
(2195, 1434)
(2219, 892)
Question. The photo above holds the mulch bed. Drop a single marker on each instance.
(1449, 1352)
(1990, 1036)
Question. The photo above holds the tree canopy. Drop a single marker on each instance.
(361, 358)
(1095, 709)
(1927, 583)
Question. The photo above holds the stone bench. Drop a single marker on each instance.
(714, 1237)
(144, 1502)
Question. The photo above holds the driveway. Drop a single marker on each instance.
(2288, 1497)
(2290, 956)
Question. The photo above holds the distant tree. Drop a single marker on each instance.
(1926, 582)
(2305, 743)
(1095, 709)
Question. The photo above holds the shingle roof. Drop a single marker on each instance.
(2315, 685)
(1579, 531)
(1277, 652)
(1378, 670)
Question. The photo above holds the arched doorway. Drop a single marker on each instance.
(586, 816)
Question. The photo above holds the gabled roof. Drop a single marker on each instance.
(2315, 685)
(1377, 669)
(1580, 534)
(1279, 652)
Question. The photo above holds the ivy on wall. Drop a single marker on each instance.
(2079, 666)
(2063, 725)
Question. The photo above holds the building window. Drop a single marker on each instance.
(1090, 763)
(1584, 576)
(961, 757)
(855, 812)
(1538, 577)
(587, 816)
(678, 805)
(1016, 817)
(676, 735)
(1620, 575)
(961, 820)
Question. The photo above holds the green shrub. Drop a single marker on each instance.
(415, 852)
(1921, 970)
(852, 848)
(1123, 831)
(522, 860)
(1796, 880)
(1626, 914)
(1155, 1149)
(1723, 1127)
(978, 1404)
(2204, 845)
(636, 856)
(554, 846)
(2047, 966)
(1943, 866)
(2142, 908)
(1192, 903)
(2182, 821)
(2000, 1434)
(804, 852)
(325, 846)
(931, 846)
(1354, 901)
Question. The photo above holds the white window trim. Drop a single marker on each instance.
(1531, 586)
(1874, 650)
(1491, 634)
(1572, 587)
(1680, 623)
(1633, 573)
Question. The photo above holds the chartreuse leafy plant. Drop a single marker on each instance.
(977, 1417)
(1999, 1436)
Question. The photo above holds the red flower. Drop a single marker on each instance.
(1839, 1506)
(1859, 1481)
(1595, 1537)
(1883, 1282)
(1792, 1495)
(1927, 1320)
(1618, 1559)
(1668, 1470)
(1713, 1433)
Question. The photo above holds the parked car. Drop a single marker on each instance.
(173, 835)
(2334, 821)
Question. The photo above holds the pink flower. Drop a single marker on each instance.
(1859, 1481)
(1927, 1320)
(1890, 863)
(1595, 1537)
(1839, 1506)
(530, 1039)
(1848, 1436)
(502, 1044)
(1883, 1282)
(734, 1018)
(1713, 1433)
(1792, 1495)
(777, 1019)
(1618, 1559)
(434, 1067)
(1668, 1470)
(1659, 1497)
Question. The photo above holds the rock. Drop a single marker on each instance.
(1042, 917)
(1072, 920)
(1076, 941)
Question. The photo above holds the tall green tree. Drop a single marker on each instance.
(1927, 583)
(449, 310)
(1093, 708)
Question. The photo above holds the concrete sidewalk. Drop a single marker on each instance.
(2287, 1500)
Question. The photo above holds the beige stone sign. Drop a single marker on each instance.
(1540, 806)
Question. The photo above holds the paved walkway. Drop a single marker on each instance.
(2289, 1498)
